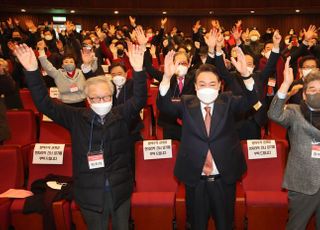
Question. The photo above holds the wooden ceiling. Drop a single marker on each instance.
(157, 7)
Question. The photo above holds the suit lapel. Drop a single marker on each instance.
(218, 113)
(195, 112)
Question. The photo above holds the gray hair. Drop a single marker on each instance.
(314, 75)
(101, 79)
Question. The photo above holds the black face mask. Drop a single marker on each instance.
(313, 101)
(120, 52)
(17, 39)
(313, 117)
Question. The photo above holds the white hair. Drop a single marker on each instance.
(101, 79)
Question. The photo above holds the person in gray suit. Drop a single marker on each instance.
(302, 174)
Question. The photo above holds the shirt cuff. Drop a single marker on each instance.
(249, 83)
(219, 53)
(211, 55)
(281, 95)
(276, 50)
(86, 68)
(164, 87)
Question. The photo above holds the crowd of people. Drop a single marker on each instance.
(233, 76)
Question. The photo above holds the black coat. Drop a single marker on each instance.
(89, 185)
(223, 140)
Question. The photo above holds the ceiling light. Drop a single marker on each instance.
(252, 11)
(211, 12)
(164, 12)
(297, 11)
(23, 10)
(72, 11)
(116, 12)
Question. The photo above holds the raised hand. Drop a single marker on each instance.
(211, 39)
(132, 21)
(288, 73)
(112, 30)
(240, 63)
(26, 57)
(9, 21)
(16, 21)
(220, 41)
(41, 45)
(276, 39)
(196, 27)
(59, 45)
(216, 24)
(245, 35)
(141, 37)
(308, 35)
(163, 22)
(135, 54)
(101, 35)
(169, 66)
(236, 33)
(87, 56)
(295, 89)
(238, 24)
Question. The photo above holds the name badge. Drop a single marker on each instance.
(95, 160)
(272, 82)
(175, 99)
(74, 88)
(315, 149)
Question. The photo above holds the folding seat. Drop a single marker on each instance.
(153, 202)
(51, 132)
(23, 128)
(27, 101)
(61, 209)
(147, 131)
(11, 176)
(266, 201)
(276, 131)
(152, 98)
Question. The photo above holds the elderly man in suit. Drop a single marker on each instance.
(210, 160)
(302, 175)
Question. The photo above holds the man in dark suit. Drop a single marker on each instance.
(182, 83)
(249, 123)
(210, 160)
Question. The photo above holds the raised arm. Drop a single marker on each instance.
(60, 113)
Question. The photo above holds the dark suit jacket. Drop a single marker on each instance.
(126, 92)
(261, 80)
(223, 140)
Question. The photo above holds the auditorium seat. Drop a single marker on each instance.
(23, 129)
(11, 176)
(266, 201)
(153, 202)
(51, 132)
(147, 132)
(34, 221)
(27, 101)
(275, 131)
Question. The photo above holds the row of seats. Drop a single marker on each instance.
(260, 203)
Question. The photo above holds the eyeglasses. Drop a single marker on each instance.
(100, 99)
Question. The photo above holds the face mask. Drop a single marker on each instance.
(17, 39)
(305, 72)
(226, 37)
(181, 70)
(48, 37)
(313, 101)
(207, 95)
(267, 54)
(120, 52)
(101, 109)
(250, 69)
(69, 67)
(254, 38)
(119, 80)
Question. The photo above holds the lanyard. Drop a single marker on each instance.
(91, 136)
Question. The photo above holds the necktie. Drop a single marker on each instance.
(118, 92)
(208, 165)
(180, 83)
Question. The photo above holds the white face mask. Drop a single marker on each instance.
(207, 95)
(226, 37)
(305, 72)
(119, 80)
(254, 38)
(287, 41)
(48, 37)
(181, 70)
(101, 109)
(267, 54)
(250, 69)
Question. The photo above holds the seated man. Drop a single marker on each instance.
(103, 180)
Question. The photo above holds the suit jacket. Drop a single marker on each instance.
(223, 140)
(302, 172)
(126, 92)
(296, 99)
(236, 85)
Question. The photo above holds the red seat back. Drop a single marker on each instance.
(265, 174)
(51, 132)
(146, 132)
(155, 175)
(38, 171)
(23, 128)
(276, 131)
(27, 101)
(11, 175)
